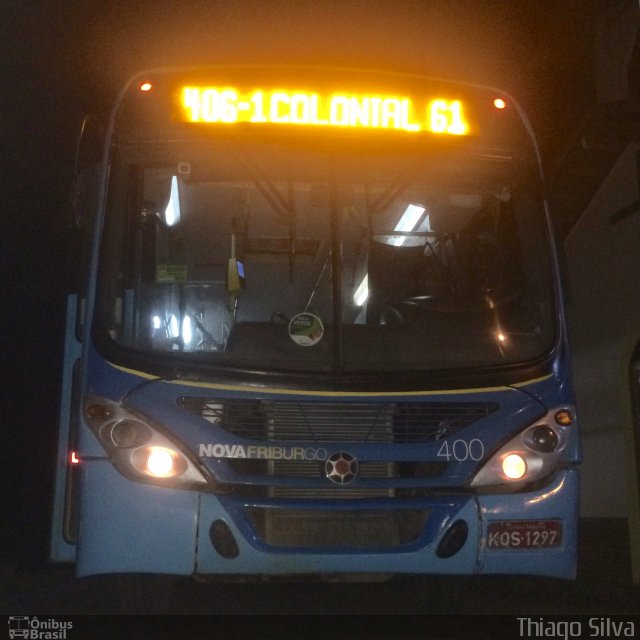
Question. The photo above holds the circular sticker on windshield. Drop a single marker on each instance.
(306, 329)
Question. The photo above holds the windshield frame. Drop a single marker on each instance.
(195, 368)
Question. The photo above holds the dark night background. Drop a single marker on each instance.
(60, 60)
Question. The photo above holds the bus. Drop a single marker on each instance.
(319, 332)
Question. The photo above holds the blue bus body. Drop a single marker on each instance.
(280, 470)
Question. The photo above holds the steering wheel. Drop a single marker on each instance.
(393, 314)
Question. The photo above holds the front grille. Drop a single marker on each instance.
(346, 422)
(314, 470)
(310, 469)
(340, 423)
(341, 528)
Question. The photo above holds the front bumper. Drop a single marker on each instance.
(131, 527)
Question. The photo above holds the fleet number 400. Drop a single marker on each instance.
(461, 450)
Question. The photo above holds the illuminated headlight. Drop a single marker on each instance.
(532, 454)
(159, 462)
(514, 466)
(138, 449)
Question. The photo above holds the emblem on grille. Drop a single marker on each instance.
(341, 468)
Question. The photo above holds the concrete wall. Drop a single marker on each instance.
(604, 324)
(617, 35)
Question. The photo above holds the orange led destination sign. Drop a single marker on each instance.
(225, 105)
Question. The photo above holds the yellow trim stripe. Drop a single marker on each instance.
(134, 372)
(534, 381)
(298, 392)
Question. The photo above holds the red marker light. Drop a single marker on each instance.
(73, 458)
(146, 86)
(499, 103)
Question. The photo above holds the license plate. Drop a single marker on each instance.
(524, 534)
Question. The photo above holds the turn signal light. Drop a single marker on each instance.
(98, 411)
(564, 418)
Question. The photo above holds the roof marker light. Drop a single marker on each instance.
(499, 103)
(145, 87)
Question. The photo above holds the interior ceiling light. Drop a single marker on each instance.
(408, 222)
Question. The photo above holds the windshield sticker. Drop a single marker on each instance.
(306, 329)
(171, 273)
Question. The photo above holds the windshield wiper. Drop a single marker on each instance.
(395, 188)
(336, 268)
(281, 205)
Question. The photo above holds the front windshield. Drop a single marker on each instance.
(276, 257)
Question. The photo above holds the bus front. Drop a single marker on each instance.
(323, 335)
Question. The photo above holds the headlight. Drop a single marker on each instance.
(530, 455)
(514, 466)
(138, 449)
(160, 462)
